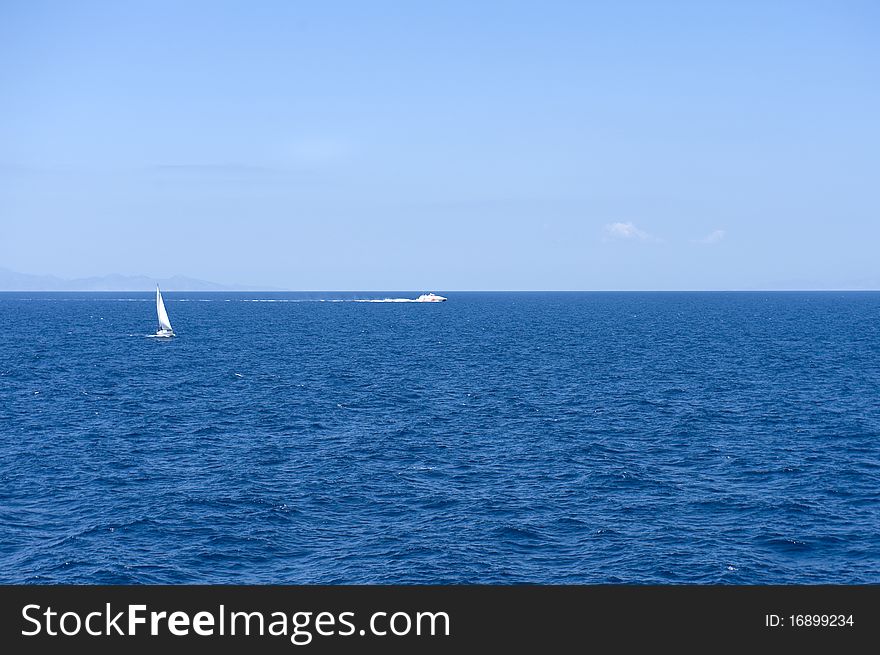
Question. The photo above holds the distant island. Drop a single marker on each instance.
(13, 281)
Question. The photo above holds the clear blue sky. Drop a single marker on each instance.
(444, 145)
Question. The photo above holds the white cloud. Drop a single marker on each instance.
(627, 231)
(714, 237)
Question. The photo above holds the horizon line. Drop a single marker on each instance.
(276, 290)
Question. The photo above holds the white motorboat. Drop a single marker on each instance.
(430, 297)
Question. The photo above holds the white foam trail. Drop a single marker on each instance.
(278, 300)
(330, 300)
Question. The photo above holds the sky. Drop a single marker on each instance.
(444, 145)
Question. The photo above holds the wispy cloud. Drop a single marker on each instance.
(627, 231)
(713, 237)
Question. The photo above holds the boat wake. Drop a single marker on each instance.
(425, 297)
(295, 300)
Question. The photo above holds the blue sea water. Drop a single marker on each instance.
(495, 438)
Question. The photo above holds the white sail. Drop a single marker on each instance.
(164, 323)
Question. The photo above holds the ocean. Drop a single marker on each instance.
(500, 438)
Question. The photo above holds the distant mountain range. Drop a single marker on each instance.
(12, 281)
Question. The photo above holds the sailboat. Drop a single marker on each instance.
(164, 324)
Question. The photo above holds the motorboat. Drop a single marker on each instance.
(430, 297)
